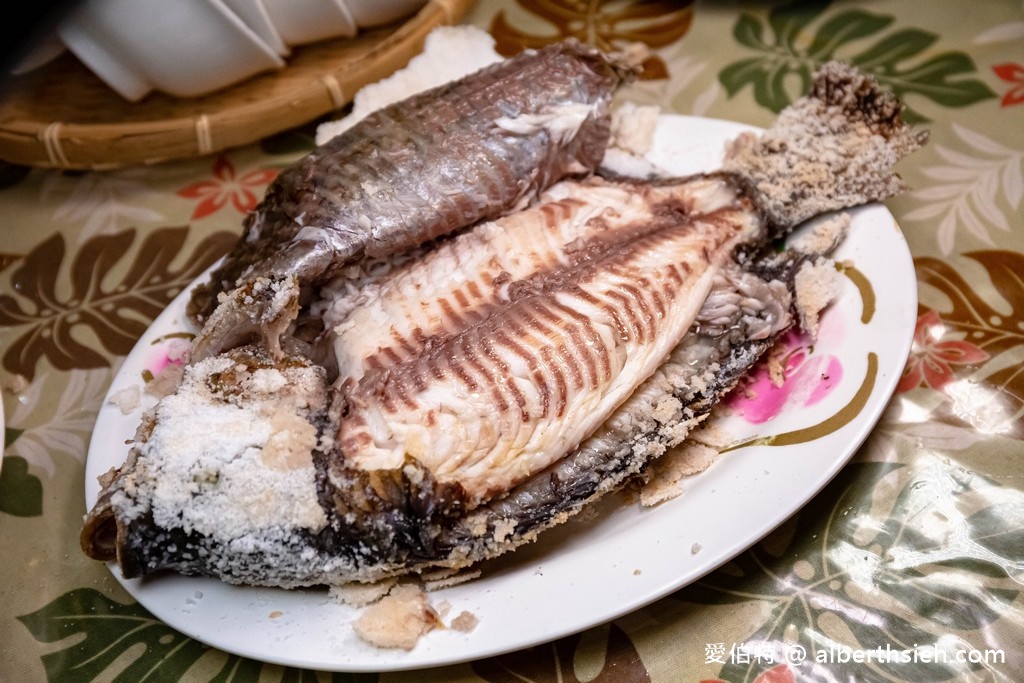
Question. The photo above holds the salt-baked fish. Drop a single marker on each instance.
(439, 161)
(492, 385)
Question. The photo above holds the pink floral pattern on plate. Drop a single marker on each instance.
(166, 351)
(806, 378)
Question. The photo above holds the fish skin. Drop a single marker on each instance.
(384, 526)
(431, 164)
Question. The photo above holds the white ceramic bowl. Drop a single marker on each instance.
(369, 13)
(307, 21)
(254, 14)
(182, 47)
(88, 40)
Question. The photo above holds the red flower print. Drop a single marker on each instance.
(1011, 73)
(224, 187)
(780, 673)
(930, 358)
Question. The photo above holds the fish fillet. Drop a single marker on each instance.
(556, 350)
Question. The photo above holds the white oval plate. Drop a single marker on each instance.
(582, 573)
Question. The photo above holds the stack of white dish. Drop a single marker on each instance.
(188, 48)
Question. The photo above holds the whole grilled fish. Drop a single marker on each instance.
(492, 385)
(444, 159)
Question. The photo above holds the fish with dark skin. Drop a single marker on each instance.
(421, 168)
(567, 346)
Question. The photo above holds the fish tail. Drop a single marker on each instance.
(832, 149)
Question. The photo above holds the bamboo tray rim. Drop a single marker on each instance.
(42, 124)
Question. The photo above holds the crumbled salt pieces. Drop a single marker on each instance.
(633, 127)
(126, 399)
(816, 285)
(395, 615)
(166, 381)
(398, 620)
(448, 578)
(361, 594)
(669, 472)
(823, 236)
(465, 622)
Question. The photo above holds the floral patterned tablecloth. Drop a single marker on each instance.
(917, 546)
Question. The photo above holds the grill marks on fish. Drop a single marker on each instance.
(464, 280)
(496, 401)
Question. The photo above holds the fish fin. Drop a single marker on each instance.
(258, 311)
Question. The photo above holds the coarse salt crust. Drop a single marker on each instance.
(228, 465)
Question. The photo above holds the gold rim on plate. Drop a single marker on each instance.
(63, 116)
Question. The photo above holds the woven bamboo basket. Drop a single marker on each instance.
(63, 116)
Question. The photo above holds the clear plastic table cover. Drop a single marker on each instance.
(908, 565)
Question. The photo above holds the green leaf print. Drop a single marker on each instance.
(100, 632)
(919, 567)
(789, 20)
(990, 529)
(795, 50)
(748, 31)
(21, 493)
(125, 643)
(10, 436)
